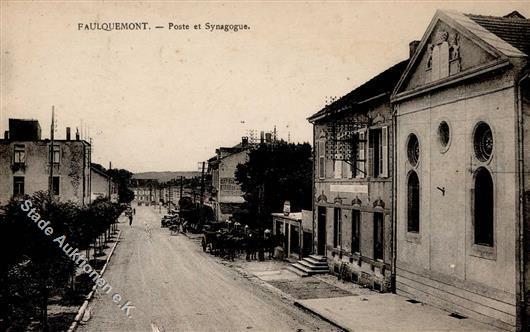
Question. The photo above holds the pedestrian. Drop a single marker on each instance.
(130, 219)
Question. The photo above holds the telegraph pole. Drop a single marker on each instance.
(202, 184)
(110, 181)
(52, 129)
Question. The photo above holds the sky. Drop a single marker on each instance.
(164, 100)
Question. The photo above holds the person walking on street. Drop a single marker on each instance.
(129, 214)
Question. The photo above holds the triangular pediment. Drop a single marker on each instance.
(452, 46)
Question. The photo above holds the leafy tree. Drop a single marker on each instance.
(122, 177)
(273, 174)
(36, 267)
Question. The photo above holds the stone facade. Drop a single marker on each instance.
(227, 195)
(102, 185)
(457, 173)
(146, 195)
(25, 169)
(353, 182)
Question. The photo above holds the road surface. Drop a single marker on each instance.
(174, 286)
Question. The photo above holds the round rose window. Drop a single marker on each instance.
(483, 142)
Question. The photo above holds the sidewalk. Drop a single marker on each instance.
(348, 305)
(352, 307)
(387, 312)
(63, 313)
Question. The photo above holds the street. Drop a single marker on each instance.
(174, 286)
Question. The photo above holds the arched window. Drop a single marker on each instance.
(413, 203)
(413, 149)
(483, 142)
(483, 207)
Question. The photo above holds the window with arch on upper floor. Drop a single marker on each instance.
(413, 149)
(483, 141)
(483, 208)
(413, 203)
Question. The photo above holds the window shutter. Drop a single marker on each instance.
(370, 157)
(338, 169)
(361, 164)
(322, 159)
(347, 169)
(384, 148)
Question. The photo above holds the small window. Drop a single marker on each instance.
(56, 154)
(483, 142)
(378, 235)
(413, 150)
(359, 169)
(56, 185)
(378, 152)
(322, 159)
(444, 134)
(356, 231)
(337, 228)
(413, 203)
(375, 147)
(19, 154)
(483, 208)
(18, 185)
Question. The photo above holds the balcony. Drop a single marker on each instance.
(16, 167)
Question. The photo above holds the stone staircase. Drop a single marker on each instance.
(313, 264)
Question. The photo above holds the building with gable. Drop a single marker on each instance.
(462, 184)
(102, 185)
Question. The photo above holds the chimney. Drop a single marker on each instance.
(67, 133)
(6, 134)
(77, 134)
(413, 45)
(262, 137)
(268, 137)
(24, 130)
(244, 141)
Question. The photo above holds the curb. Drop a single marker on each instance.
(83, 307)
(288, 297)
(264, 284)
(324, 318)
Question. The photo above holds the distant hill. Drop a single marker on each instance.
(164, 176)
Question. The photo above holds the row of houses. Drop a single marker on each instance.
(154, 194)
(27, 161)
(420, 174)
(226, 195)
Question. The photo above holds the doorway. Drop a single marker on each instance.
(321, 231)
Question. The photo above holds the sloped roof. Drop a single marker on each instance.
(474, 27)
(98, 170)
(466, 21)
(512, 28)
(380, 84)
